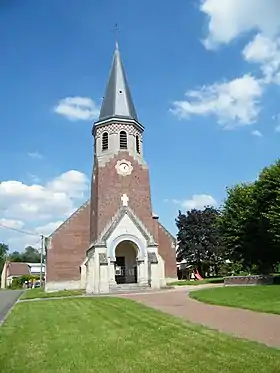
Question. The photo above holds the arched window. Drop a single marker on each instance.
(105, 141)
(123, 140)
(137, 144)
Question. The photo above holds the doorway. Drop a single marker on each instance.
(126, 264)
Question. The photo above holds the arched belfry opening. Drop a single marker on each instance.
(126, 263)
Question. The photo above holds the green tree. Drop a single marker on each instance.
(198, 238)
(250, 222)
(15, 256)
(273, 214)
(30, 254)
(236, 223)
(267, 200)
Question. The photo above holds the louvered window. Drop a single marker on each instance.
(105, 141)
(123, 140)
(137, 144)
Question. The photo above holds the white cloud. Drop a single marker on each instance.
(277, 128)
(11, 235)
(77, 108)
(236, 102)
(257, 133)
(74, 182)
(197, 201)
(233, 103)
(266, 52)
(35, 155)
(259, 49)
(40, 208)
(228, 19)
(10, 223)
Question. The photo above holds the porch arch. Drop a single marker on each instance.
(126, 237)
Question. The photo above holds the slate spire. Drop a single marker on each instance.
(117, 102)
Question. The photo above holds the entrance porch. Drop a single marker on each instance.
(126, 263)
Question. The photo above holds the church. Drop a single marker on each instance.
(113, 242)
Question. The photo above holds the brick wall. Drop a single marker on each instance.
(108, 187)
(68, 247)
(167, 252)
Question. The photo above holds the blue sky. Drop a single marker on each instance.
(225, 55)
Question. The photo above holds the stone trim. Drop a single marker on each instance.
(173, 239)
(115, 221)
(115, 128)
(104, 159)
(84, 262)
(100, 124)
(127, 237)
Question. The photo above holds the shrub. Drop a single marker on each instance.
(18, 282)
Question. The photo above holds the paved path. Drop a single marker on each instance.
(260, 327)
(7, 300)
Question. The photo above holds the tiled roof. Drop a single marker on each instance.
(17, 269)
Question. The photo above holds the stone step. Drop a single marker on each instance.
(123, 288)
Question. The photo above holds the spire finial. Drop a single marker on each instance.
(117, 30)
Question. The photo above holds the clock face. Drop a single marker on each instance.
(124, 167)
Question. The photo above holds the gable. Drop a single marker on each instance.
(125, 222)
(67, 246)
(85, 206)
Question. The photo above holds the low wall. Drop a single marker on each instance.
(249, 280)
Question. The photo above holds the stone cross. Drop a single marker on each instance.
(124, 199)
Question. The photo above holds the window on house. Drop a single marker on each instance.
(105, 141)
(123, 140)
(137, 143)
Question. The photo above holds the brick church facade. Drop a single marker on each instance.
(114, 241)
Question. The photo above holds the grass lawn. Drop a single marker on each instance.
(40, 293)
(111, 335)
(210, 280)
(256, 298)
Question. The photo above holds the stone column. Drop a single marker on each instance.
(142, 278)
(103, 273)
(111, 272)
(90, 276)
(154, 270)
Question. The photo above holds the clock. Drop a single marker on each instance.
(124, 167)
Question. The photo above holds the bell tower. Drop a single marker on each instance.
(114, 240)
(120, 175)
